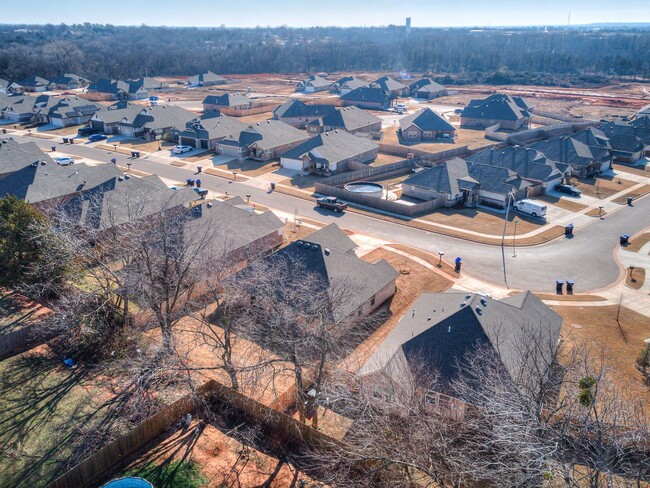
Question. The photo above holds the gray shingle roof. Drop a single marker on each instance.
(70, 107)
(206, 78)
(270, 134)
(348, 118)
(426, 119)
(526, 162)
(349, 81)
(441, 328)
(118, 113)
(50, 181)
(125, 199)
(163, 117)
(333, 147)
(566, 150)
(316, 81)
(339, 268)
(366, 94)
(387, 83)
(296, 108)
(34, 82)
(15, 156)
(215, 128)
(426, 84)
(498, 107)
(228, 100)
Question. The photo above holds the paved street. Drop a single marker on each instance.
(587, 258)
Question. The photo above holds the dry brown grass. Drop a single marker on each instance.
(638, 242)
(429, 258)
(602, 187)
(383, 159)
(620, 341)
(634, 278)
(638, 193)
(636, 170)
(466, 137)
(570, 298)
(483, 221)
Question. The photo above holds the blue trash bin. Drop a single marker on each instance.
(569, 286)
(568, 230)
(459, 263)
(625, 239)
(559, 286)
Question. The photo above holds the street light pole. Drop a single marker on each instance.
(503, 238)
(514, 238)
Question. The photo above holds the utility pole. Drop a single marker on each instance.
(503, 239)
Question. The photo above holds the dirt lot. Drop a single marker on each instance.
(383, 159)
(597, 325)
(414, 279)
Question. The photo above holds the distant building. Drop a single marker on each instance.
(426, 125)
(207, 79)
(511, 112)
(408, 25)
(299, 114)
(350, 119)
(368, 98)
(313, 84)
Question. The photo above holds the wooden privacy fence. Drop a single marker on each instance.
(404, 151)
(254, 110)
(19, 340)
(101, 463)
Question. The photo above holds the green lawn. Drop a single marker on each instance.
(176, 474)
(43, 409)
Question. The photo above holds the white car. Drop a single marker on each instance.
(64, 161)
(180, 149)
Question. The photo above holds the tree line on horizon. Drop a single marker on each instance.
(557, 56)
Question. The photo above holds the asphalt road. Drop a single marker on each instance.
(588, 258)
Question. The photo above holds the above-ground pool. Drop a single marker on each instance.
(366, 188)
(128, 483)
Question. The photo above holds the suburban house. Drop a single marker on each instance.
(240, 234)
(16, 156)
(226, 101)
(68, 81)
(389, 85)
(373, 98)
(350, 119)
(599, 145)
(116, 90)
(207, 79)
(329, 253)
(313, 84)
(299, 114)
(329, 153)
(427, 88)
(22, 108)
(347, 84)
(125, 199)
(426, 125)
(440, 330)
(147, 83)
(459, 182)
(66, 112)
(31, 84)
(206, 133)
(530, 164)
(262, 141)
(45, 181)
(629, 140)
(568, 150)
(131, 120)
(512, 113)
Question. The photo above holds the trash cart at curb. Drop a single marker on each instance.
(569, 286)
(559, 286)
(629, 200)
(459, 263)
(568, 230)
(625, 239)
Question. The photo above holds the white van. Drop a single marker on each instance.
(531, 208)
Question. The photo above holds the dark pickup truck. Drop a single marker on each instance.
(87, 131)
(331, 203)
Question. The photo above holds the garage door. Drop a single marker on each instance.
(229, 150)
(295, 164)
(188, 141)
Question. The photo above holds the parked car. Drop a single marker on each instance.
(331, 203)
(97, 137)
(568, 189)
(181, 148)
(64, 161)
(531, 208)
(458, 111)
(86, 131)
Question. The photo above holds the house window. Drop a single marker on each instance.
(411, 134)
(427, 133)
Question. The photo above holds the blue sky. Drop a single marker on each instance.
(299, 13)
